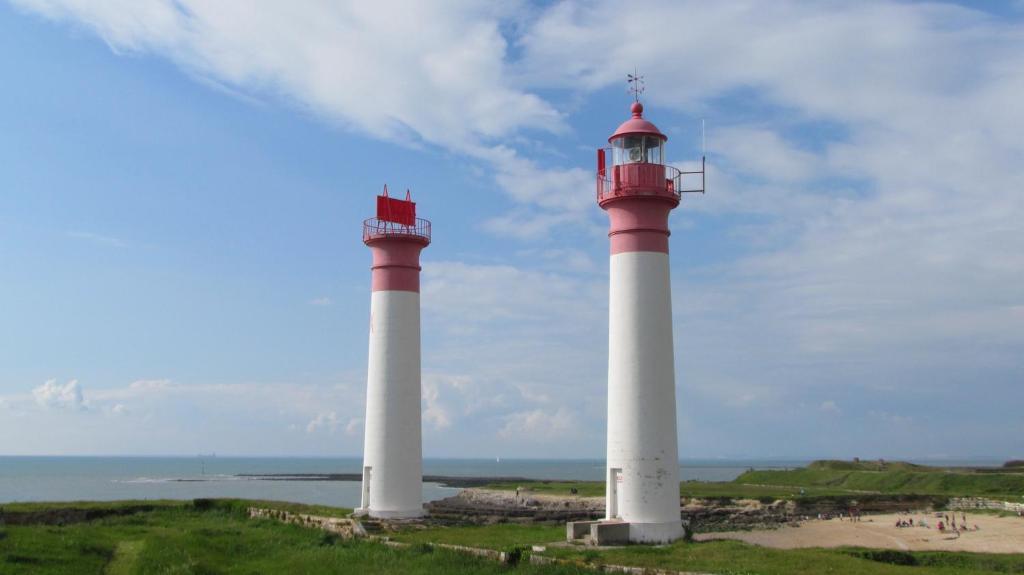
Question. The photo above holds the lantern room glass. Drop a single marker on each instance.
(637, 149)
(653, 150)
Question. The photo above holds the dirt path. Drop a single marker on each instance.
(996, 534)
(125, 555)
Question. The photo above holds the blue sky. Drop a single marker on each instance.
(182, 186)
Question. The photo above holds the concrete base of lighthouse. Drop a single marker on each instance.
(618, 532)
(656, 532)
(388, 514)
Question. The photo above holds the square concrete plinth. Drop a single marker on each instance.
(598, 532)
(618, 532)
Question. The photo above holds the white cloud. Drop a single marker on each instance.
(175, 417)
(473, 294)
(54, 395)
(528, 223)
(763, 154)
(98, 239)
(891, 418)
(434, 411)
(144, 385)
(570, 260)
(447, 395)
(539, 424)
(327, 421)
(369, 66)
(830, 406)
(354, 426)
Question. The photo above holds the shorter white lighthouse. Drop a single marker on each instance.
(393, 451)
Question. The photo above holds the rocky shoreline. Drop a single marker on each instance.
(485, 506)
(443, 480)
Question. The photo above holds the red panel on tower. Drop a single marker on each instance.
(398, 211)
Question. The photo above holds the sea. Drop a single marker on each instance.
(30, 478)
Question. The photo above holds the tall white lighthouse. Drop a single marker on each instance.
(393, 451)
(638, 191)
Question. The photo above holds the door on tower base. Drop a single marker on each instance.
(614, 480)
(367, 473)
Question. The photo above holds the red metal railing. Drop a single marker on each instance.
(639, 179)
(376, 228)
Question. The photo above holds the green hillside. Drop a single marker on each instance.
(894, 477)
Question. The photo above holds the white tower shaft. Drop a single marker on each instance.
(643, 460)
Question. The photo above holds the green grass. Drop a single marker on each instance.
(102, 505)
(736, 490)
(217, 537)
(240, 505)
(243, 505)
(126, 556)
(735, 557)
(500, 536)
(218, 540)
(930, 481)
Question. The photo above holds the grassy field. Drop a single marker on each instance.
(894, 478)
(826, 479)
(734, 557)
(223, 504)
(30, 506)
(726, 557)
(216, 536)
(179, 538)
(501, 536)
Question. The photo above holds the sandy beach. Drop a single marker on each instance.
(995, 534)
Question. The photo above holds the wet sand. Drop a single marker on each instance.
(996, 534)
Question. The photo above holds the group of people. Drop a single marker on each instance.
(947, 522)
(910, 523)
(950, 524)
(853, 515)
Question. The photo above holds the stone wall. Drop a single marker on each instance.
(968, 503)
(490, 506)
(344, 528)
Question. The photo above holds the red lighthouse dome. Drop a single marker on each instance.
(637, 125)
(637, 163)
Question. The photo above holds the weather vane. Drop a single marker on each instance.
(636, 84)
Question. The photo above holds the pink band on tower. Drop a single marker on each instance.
(638, 224)
(396, 263)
